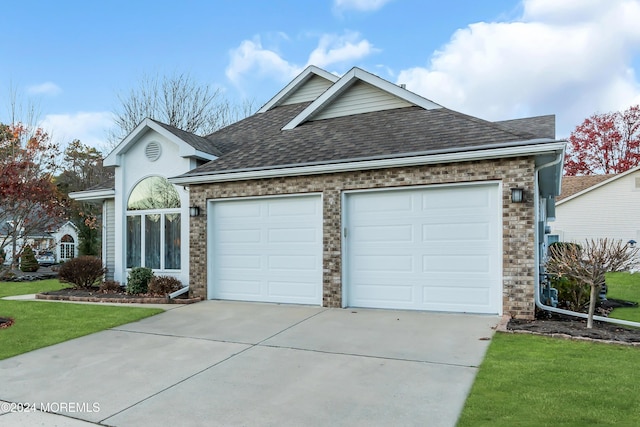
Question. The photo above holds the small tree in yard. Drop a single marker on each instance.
(589, 264)
(28, 261)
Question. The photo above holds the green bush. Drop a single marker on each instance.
(138, 280)
(164, 285)
(83, 272)
(28, 261)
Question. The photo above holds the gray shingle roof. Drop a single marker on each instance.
(543, 126)
(258, 142)
(197, 142)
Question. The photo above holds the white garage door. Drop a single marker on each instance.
(266, 249)
(436, 248)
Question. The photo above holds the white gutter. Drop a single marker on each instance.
(539, 303)
(373, 164)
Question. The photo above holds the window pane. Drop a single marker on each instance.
(172, 241)
(134, 228)
(154, 192)
(152, 241)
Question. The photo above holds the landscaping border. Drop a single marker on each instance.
(136, 300)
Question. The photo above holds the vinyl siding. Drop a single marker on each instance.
(611, 211)
(110, 238)
(361, 98)
(309, 91)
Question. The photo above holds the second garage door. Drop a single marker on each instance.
(434, 248)
(266, 249)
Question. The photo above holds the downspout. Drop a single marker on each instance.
(539, 303)
(178, 292)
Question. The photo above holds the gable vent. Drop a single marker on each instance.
(153, 150)
(637, 183)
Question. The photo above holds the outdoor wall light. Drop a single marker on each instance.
(632, 243)
(517, 195)
(194, 211)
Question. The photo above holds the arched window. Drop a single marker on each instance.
(153, 225)
(67, 247)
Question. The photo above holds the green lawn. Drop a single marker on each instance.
(40, 324)
(530, 380)
(537, 381)
(624, 286)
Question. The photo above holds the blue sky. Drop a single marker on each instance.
(496, 59)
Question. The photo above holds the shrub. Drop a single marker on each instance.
(28, 261)
(110, 287)
(138, 280)
(83, 272)
(164, 285)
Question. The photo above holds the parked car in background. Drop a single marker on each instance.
(46, 258)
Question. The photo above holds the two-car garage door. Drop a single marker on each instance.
(431, 248)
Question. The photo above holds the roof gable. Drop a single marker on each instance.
(307, 86)
(334, 101)
(189, 145)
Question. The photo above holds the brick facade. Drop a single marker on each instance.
(518, 219)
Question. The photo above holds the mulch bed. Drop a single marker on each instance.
(5, 322)
(559, 325)
(81, 295)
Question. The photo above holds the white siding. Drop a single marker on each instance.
(109, 236)
(611, 211)
(309, 91)
(361, 98)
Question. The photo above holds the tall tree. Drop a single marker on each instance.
(178, 100)
(29, 200)
(605, 143)
(82, 168)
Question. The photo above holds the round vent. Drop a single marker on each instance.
(153, 151)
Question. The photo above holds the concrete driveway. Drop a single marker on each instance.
(229, 363)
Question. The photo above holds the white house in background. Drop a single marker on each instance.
(62, 240)
(593, 207)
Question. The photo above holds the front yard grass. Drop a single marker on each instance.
(528, 380)
(40, 323)
(624, 286)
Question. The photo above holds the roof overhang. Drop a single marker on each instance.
(535, 148)
(93, 195)
(549, 167)
(185, 150)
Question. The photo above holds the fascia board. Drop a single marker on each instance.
(349, 79)
(487, 154)
(93, 195)
(295, 84)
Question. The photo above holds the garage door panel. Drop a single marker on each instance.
(292, 235)
(390, 204)
(267, 250)
(457, 263)
(380, 296)
(443, 253)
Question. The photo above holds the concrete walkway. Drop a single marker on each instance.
(229, 363)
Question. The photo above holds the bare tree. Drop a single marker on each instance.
(177, 100)
(589, 264)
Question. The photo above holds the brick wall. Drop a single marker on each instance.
(518, 219)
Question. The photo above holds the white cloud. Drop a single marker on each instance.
(572, 58)
(252, 58)
(89, 127)
(359, 5)
(47, 88)
(334, 49)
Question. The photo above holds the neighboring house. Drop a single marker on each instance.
(598, 206)
(340, 191)
(61, 239)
